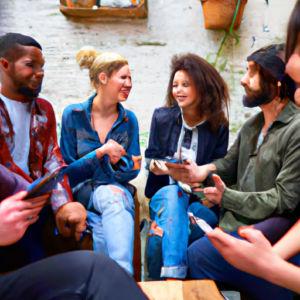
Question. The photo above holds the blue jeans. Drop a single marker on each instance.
(113, 227)
(205, 262)
(170, 206)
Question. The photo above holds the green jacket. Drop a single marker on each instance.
(267, 179)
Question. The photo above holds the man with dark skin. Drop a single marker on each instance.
(29, 145)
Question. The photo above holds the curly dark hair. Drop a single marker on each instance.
(210, 86)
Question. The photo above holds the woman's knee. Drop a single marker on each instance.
(108, 196)
(168, 196)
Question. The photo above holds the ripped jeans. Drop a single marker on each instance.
(169, 208)
(113, 227)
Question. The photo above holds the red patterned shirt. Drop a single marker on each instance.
(44, 154)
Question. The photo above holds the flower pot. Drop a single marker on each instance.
(70, 3)
(218, 14)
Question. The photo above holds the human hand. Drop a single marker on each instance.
(114, 150)
(255, 256)
(158, 167)
(17, 214)
(74, 214)
(189, 173)
(214, 194)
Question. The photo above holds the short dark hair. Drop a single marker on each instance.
(10, 42)
(269, 61)
(209, 84)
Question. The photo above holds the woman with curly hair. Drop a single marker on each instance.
(191, 127)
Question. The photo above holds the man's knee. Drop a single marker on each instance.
(197, 252)
(87, 262)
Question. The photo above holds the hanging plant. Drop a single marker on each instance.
(223, 14)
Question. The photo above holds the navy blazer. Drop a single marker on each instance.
(164, 134)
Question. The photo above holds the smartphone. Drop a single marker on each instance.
(171, 160)
(201, 223)
(45, 184)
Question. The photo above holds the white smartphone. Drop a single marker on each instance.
(201, 223)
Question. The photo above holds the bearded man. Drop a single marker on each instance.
(29, 149)
(264, 165)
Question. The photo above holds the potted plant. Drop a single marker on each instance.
(218, 14)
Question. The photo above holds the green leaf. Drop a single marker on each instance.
(145, 134)
(223, 65)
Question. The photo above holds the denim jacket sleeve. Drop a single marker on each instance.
(79, 169)
(88, 166)
(128, 167)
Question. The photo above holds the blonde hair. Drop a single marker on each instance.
(106, 63)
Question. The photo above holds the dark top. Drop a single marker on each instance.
(164, 134)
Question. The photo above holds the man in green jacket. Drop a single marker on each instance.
(263, 164)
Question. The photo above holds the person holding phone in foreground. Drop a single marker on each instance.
(73, 275)
(256, 255)
(192, 126)
(264, 165)
(29, 149)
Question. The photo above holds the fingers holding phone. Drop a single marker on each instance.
(158, 167)
(16, 214)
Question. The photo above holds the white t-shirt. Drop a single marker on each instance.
(188, 137)
(20, 115)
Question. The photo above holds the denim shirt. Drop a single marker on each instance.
(164, 135)
(79, 142)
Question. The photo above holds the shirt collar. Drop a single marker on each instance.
(288, 113)
(87, 105)
(186, 125)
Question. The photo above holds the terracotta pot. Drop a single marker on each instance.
(218, 14)
(70, 3)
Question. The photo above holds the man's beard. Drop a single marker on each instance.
(28, 92)
(258, 98)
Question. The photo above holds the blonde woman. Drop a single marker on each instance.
(103, 136)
